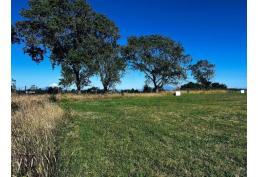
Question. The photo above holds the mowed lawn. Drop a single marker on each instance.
(190, 135)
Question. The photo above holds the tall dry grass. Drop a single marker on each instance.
(71, 96)
(205, 91)
(34, 123)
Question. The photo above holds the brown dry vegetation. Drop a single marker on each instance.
(34, 122)
(206, 91)
(71, 96)
(74, 97)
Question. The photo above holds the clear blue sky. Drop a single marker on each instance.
(208, 29)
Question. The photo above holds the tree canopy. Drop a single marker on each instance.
(110, 64)
(203, 72)
(68, 29)
(197, 86)
(162, 60)
(84, 43)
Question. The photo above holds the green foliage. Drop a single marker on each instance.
(14, 35)
(196, 86)
(84, 43)
(147, 88)
(129, 91)
(51, 90)
(77, 74)
(70, 30)
(191, 85)
(110, 64)
(162, 60)
(217, 85)
(110, 70)
(203, 72)
(191, 135)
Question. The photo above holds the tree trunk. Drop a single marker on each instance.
(78, 86)
(156, 88)
(79, 89)
(78, 81)
(105, 88)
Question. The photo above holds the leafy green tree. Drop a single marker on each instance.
(161, 59)
(203, 72)
(69, 30)
(110, 64)
(110, 70)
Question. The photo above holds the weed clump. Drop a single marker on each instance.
(53, 98)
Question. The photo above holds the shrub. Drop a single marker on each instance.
(130, 91)
(217, 85)
(209, 85)
(52, 98)
(191, 85)
(147, 88)
(14, 106)
(53, 90)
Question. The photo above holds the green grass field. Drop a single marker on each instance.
(192, 135)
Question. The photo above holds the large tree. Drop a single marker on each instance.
(110, 64)
(110, 69)
(203, 72)
(161, 59)
(68, 30)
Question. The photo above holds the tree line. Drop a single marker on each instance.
(85, 43)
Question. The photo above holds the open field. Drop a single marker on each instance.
(162, 135)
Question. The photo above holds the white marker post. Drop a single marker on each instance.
(178, 93)
(242, 91)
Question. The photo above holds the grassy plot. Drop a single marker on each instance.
(191, 135)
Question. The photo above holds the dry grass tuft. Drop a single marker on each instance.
(34, 119)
